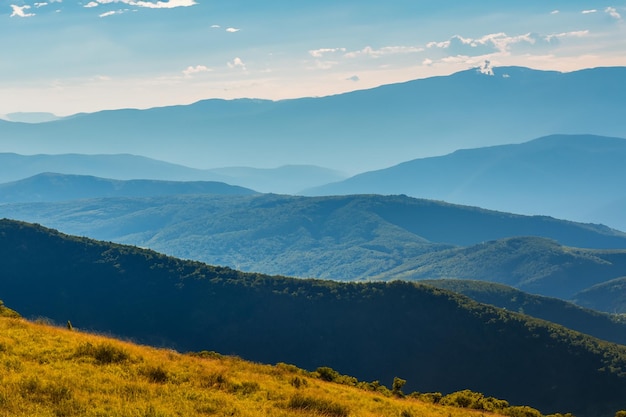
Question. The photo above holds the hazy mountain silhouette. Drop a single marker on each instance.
(286, 179)
(577, 177)
(60, 187)
(352, 132)
(30, 117)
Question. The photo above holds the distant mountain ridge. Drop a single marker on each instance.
(49, 187)
(576, 177)
(435, 339)
(285, 179)
(352, 132)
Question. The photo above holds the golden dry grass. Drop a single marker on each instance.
(54, 372)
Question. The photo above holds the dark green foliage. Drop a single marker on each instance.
(327, 374)
(474, 400)
(318, 405)
(438, 340)
(521, 411)
(396, 387)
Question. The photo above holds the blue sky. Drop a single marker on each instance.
(68, 56)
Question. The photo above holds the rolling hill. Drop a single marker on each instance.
(419, 118)
(532, 264)
(575, 177)
(604, 326)
(50, 187)
(436, 340)
(342, 237)
(607, 296)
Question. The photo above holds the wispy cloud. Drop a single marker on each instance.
(554, 12)
(612, 11)
(20, 11)
(112, 13)
(499, 42)
(170, 4)
(232, 30)
(191, 70)
(354, 78)
(237, 63)
(574, 34)
(319, 53)
(387, 50)
(589, 11)
(38, 5)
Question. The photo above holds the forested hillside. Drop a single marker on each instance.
(436, 340)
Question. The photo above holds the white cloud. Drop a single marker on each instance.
(612, 11)
(189, 71)
(232, 30)
(427, 62)
(237, 63)
(215, 26)
(554, 12)
(575, 34)
(589, 11)
(387, 50)
(170, 4)
(38, 5)
(318, 53)
(111, 13)
(20, 11)
(91, 4)
(162, 4)
(499, 43)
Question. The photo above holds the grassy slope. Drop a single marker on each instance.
(49, 371)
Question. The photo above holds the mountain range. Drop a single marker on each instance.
(435, 339)
(352, 132)
(575, 177)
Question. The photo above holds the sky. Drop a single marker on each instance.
(69, 56)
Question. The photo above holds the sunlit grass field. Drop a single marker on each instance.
(54, 371)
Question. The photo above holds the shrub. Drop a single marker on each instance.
(521, 411)
(327, 374)
(103, 353)
(155, 374)
(396, 387)
(318, 405)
